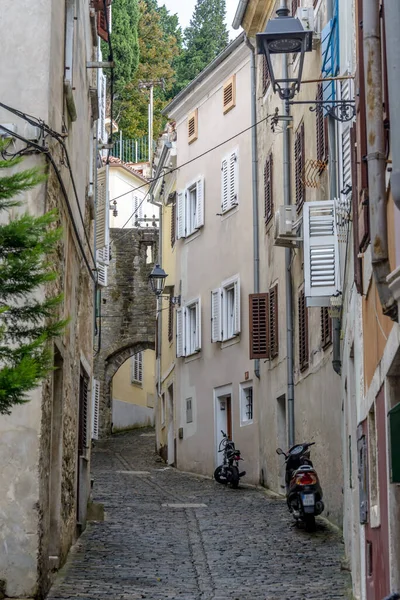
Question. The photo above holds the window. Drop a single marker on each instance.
(373, 462)
(266, 76)
(321, 128)
(188, 329)
(162, 409)
(189, 410)
(173, 224)
(299, 164)
(273, 322)
(303, 332)
(229, 94)
(190, 209)
(193, 127)
(225, 311)
(259, 337)
(326, 327)
(246, 404)
(268, 202)
(137, 368)
(229, 181)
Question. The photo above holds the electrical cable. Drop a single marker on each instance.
(44, 150)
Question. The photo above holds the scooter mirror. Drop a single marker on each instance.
(279, 451)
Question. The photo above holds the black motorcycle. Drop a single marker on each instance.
(228, 472)
(303, 489)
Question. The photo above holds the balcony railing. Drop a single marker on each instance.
(135, 150)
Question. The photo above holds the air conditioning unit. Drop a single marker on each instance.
(306, 17)
(285, 227)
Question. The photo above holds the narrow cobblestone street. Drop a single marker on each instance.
(168, 535)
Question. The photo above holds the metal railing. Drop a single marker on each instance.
(135, 150)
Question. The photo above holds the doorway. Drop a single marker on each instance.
(171, 434)
(56, 446)
(281, 438)
(223, 417)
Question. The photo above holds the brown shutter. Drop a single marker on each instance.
(268, 201)
(295, 6)
(303, 332)
(363, 208)
(102, 23)
(171, 316)
(326, 327)
(322, 128)
(354, 200)
(299, 160)
(258, 314)
(83, 430)
(173, 224)
(273, 322)
(266, 78)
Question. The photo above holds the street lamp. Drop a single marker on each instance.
(284, 35)
(157, 280)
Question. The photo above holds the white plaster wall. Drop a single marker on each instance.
(126, 415)
(122, 182)
(221, 249)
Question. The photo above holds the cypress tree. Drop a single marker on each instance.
(28, 315)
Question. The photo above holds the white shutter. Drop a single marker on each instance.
(103, 255)
(181, 215)
(346, 158)
(216, 323)
(199, 203)
(198, 325)
(95, 408)
(321, 252)
(137, 367)
(224, 185)
(233, 179)
(102, 208)
(102, 275)
(180, 350)
(236, 326)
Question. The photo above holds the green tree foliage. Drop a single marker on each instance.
(158, 49)
(125, 41)
(28, 321)
(204, 39)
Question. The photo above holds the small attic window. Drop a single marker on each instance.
(192, 127)
(229, 94)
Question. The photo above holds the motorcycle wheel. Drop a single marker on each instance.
(234, 480)
(217, 476)
(309, 522)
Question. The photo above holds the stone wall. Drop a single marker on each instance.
(128, 310)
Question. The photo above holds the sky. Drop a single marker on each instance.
(184, 8)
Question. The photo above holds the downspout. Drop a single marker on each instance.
(376, 155)
(333, 193)
(287, 195)
(392, 27)
(256, 247)
(240, 11)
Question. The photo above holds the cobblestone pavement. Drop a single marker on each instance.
(241, 545)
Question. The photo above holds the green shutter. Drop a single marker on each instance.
(394, 428)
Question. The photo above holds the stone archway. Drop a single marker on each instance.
(128, 311)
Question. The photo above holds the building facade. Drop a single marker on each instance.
(214, 256)
(45, 444)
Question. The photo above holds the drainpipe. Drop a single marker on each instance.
(256, 247)
(287, 195)
(376, 156)
(240, 11)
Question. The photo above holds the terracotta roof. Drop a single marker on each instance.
(117, 162)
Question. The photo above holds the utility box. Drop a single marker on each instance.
(394, 429)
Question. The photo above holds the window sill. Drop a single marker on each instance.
(192, 357)
(137, 384)
(244, 423)
(192, 236)
(230, 342)
(231, 211)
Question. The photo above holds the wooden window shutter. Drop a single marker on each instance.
(83, 414)
(326, 327)
(216, 315)
(268, 200)
(299, 160)
(192, 126)
(266, 77)
(273, 322)
(199, 203)
(295, 6)
(181, 214)
(259, 335)
(171, 316)
(363, 204)
(229, 94)
(95, 409)
(354, 201)
(102, 30)
(180, 333)
(102, 211)
(321, 125)
(173, 224)
(303, 331)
